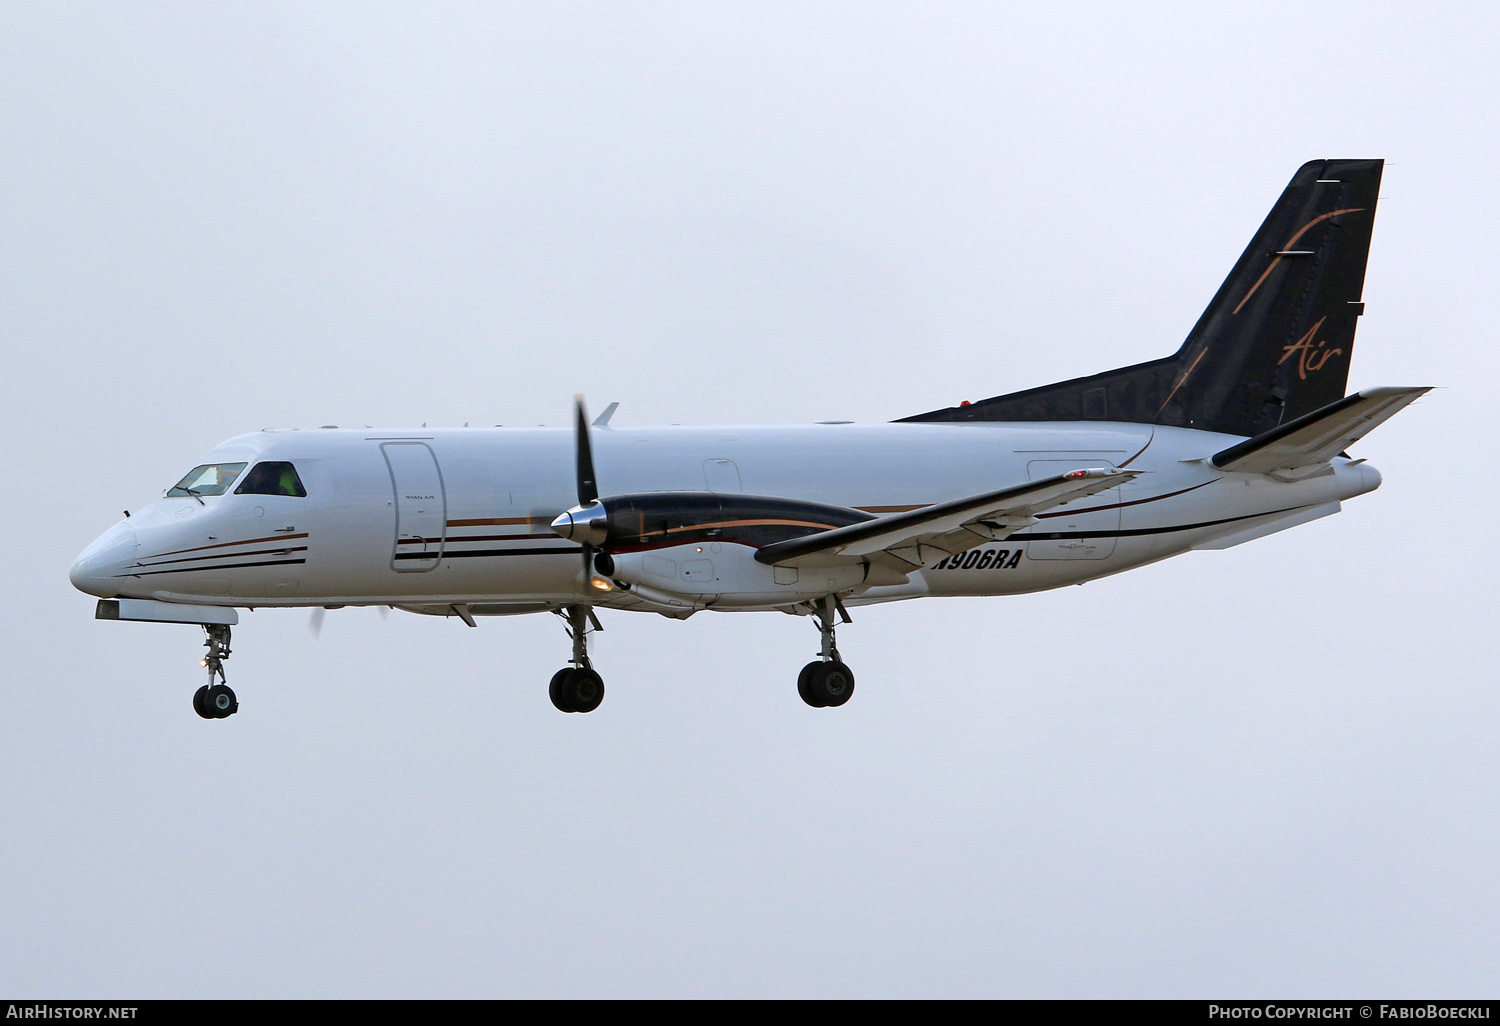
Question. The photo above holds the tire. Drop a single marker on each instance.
(805, 684)
(838, 684)
(558, 690)
(200, 706)
(585, 690)
(220, 702)
(828, 684)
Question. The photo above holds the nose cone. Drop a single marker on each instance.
(97, 567)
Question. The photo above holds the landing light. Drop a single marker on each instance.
(601, 584)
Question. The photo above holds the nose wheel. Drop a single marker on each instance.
(214, 701)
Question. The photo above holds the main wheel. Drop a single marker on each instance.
(827, 684)
(576, 690)
(838, 683)
(803, 679)
(557, 690)
(585, 690)
(200, 706)
(220, 702)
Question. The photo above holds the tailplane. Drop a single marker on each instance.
(1273, 345)
(1305, 446)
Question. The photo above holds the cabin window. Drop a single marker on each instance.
(209, 479)
(272, 479)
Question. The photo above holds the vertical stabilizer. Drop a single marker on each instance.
(1273, 345)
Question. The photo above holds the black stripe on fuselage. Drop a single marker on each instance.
(571, 550)
(223, 566)
(1140, 531)
(283, 550)
(226, 545)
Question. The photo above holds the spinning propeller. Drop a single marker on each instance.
(315, 621)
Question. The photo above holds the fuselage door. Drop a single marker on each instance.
(1066, 533)
(421, 506)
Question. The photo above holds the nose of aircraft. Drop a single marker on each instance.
(94, 571)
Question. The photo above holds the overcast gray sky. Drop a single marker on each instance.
(1269, 770)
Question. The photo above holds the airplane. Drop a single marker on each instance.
(1241, 433)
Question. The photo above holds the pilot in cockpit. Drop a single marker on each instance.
(272, 478)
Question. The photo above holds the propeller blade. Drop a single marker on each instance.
(315, 622)
(588, 487)
(588, 493)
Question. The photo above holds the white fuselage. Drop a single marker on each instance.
(471, 523)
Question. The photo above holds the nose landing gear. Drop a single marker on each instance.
(827, 682)
(215, 701)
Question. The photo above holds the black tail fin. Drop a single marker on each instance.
(1273, 345)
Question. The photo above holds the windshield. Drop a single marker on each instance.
(209, 479)
(272, 479)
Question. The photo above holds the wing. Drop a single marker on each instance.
(1303, 447)
(909, 541)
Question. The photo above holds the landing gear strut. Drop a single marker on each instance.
(215, 701)
(577, 688)
(827, 682)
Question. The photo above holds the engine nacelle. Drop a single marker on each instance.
(725, 574)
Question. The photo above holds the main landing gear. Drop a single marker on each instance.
(215, 701)
(577, 688)
(824, 683)
(827, 682)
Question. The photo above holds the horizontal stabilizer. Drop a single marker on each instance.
(902, 540)
(1312, 440)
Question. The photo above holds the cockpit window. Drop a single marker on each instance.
(209, 479)
(272, 479)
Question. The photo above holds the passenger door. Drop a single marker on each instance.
(421, 506)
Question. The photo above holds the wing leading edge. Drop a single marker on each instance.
(908, 541)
